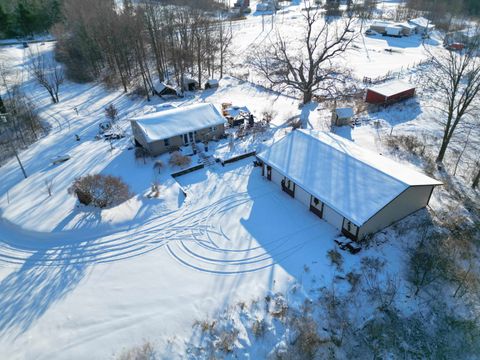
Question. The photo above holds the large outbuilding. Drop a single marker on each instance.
(167, 130)
(422, 25)
(389, 92)
(354, 189)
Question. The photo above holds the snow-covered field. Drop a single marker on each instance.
(78, 283)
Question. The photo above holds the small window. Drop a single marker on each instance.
(166, 142)
(214, 128)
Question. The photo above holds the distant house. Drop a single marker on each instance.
(164, 90)
(380, 26)
(389, 92)
(407, 29)
(468, 37)
(167, 130)
(422, 25)
(342, 116)
(354, 189)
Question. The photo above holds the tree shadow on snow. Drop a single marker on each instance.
(26, 294)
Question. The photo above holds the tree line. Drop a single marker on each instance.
(28, 17)
(135, 46)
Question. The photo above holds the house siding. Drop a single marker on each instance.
(411, 200)
(158, 147)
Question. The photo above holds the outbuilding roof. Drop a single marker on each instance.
(355, 182)
(392, 88)
(422, 22)
(344, 113)
(178, 121)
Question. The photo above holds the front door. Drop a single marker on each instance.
(269, 172)
(316, 206)
(350, 230)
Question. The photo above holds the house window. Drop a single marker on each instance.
(166, 142)
(213, 128)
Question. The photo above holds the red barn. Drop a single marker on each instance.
(390, 92)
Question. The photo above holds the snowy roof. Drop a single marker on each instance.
(392, 88)
(406, 25)
(178, 121)
(344, 113)
(355, 182)
(235, 111)
(422, 22)
(381, 23)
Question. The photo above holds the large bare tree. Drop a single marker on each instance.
(456, 76)
(47, 72)
(306, 66)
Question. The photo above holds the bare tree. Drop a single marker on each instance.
(286, 67)
(456, 75)
(476, 178)
(47, 73)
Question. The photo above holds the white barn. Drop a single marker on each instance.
(354, 189)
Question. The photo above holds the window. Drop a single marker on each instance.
(166, 142)
(213, 128)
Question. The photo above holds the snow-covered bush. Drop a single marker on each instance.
(177, 159)
(100, 190)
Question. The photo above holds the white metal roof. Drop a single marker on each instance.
(392, 87)
(178, 121)
(422, 22)
(354, 181)
(344, 113)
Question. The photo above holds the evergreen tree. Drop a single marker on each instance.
(5, 22)
(25, 18)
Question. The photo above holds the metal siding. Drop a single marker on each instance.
(276, 177)
(411, 200)
(302, 196)
(332, 217)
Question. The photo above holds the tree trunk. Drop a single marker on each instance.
(307, 96)
(476, 179)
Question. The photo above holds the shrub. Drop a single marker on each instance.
(142, 352)
(259, 328)
(158, 166)
(141, 153)
(296, 124)
(177, 159)
(100, 190)
(335, 258)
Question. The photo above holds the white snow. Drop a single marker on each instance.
(178, 121)
(354, 181)
(391, 88)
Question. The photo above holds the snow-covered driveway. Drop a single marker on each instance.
(80, 294)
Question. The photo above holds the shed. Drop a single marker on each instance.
(211, 84)
(166, 130)
(422, 25)
(164, 90)
(389, 92)
(236, 115)
(190, 84)
(342, 116)
(354, 189)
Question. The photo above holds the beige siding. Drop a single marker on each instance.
(332, 217)
(411, 200)
(302, 196)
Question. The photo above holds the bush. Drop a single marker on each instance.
(143, 352)
(141, 153)
(335, 258)
(177, 159)
(100, 190)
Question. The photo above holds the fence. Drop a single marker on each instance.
(239, 157)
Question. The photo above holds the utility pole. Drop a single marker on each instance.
(4, 119)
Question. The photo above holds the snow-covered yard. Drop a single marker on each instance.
(66, 293)
(79, 283)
